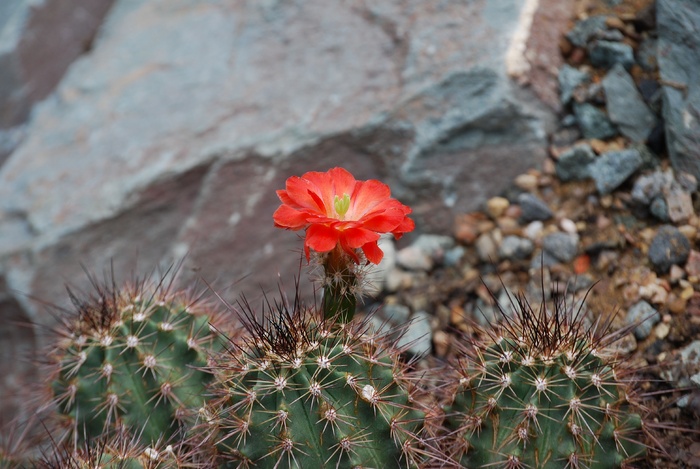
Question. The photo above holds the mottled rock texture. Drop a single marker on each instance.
(39, 39)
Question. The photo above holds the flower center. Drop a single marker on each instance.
(342, 205)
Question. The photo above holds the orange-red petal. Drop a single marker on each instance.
(300, 191)
(287, 217)
(373, 253)
(358, 237)
(406, 226)
(367, 195)
(321, 238)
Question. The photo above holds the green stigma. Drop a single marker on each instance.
(342, 205)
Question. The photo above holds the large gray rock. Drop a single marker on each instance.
(171, 136)
(39, 39)
(679, 66)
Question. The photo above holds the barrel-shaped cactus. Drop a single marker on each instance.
(542, 392)
(133, 357)
(308, 393)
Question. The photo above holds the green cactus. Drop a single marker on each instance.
(543, 392)
(135, 358)
(308, 393)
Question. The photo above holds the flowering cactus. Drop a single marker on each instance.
(343, 219)
(308, 393)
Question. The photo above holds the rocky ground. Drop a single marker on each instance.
(606, 219)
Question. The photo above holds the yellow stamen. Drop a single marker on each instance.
(342, 205)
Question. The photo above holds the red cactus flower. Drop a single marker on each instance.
(337, 210)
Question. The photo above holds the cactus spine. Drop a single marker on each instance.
(543, 393)
(120, 451)
(315, 394)
(132, 358)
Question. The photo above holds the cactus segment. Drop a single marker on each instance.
(133, 359)
(542, 393)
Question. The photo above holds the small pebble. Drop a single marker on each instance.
(509, 225)
(487, 246)
(533, 208)
(668, 247)
(688, 231)
(562, 246)
(572, 164)
(465, 228)
(533, 230)
(646, 316)
(659, 209)
(515, 248)
(612, 168)
(679, 203)
(692, 265)
(398, 279)
(593, 122)
(568, 226)
(395, 313)
(453, 256)
(496, 206)
(676, 305)
(527, 182)
(662, 330)
(676, 273)
(413, 258)
(606, 54)
(434, 246)
(418, 336)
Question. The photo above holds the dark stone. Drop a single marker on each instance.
(679, 68)
(569, 79)
(585, 29)
(562, 246)
(593, 122)
(625, 106)
(606, 54)
(533, 208)
(656, 141)
(573, 163)
(651, 93)
(515, 248)
(613, 168)
(644, 316)
(650, 160)
(659, 208)
(669, 247)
